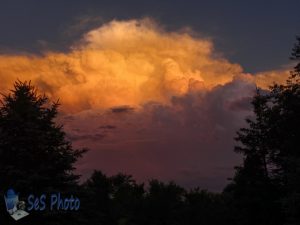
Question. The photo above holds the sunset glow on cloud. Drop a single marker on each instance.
(137, 95)
(122, 63)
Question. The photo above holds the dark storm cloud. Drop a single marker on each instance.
(107, 127)
(91, 137)
(189, 141)
(122, 109)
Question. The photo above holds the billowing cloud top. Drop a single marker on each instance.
(153, 103)
(122, 63)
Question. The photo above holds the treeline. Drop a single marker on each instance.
(120, 200)
(36, 157)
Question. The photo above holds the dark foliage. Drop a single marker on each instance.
(35, 156)
(119, 200)
(266, 188)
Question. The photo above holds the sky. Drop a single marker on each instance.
(156, 89)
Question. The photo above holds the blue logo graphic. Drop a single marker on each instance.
(13, 206)
(11, 200)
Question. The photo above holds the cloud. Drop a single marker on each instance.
(148, 102)
(268, 78)
(188, 140)
(107, 127)
(122, 63)
(122, 109)
(91, 137)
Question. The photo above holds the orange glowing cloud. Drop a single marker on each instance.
(147, 102)
(265, 79)
(123, 63)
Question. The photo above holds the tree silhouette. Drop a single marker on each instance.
(164, 203)
(268, 182)
(113, 200)
(34, 153)
(203, 207)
